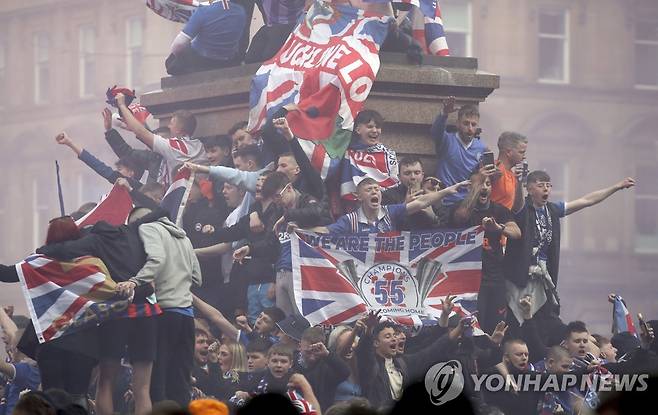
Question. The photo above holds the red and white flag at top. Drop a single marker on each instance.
(113, 208)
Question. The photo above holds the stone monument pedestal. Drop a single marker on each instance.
(408, 97)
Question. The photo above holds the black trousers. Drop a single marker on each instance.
(172, 369)
(189, 61)
(267, 42)
(63, 369)
(492, 303)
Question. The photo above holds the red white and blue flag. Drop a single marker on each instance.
(175, 199)
(323, 75)
(113, 208)
(427, 25)
(622, 320)
(63, 297)
(336, 278)
(376, 162)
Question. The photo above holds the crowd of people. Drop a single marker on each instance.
(214, 323)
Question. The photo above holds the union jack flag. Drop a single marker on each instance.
(622, 320)
(427, 25)
(377, 162)
(63, 297)
(404, 274)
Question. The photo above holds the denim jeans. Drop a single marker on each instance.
(257, 300)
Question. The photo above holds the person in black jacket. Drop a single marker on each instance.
(299, 210)
(66, 362)
(122, 251)
(532, 262)
(383, 373)
(257, 270)
(477, 208)
(323, 369)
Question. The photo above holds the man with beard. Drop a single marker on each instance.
(458, 153)
(510, 399)
(498, 223)
(532, 262)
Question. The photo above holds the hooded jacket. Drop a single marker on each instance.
(119, 247)
(170, 263)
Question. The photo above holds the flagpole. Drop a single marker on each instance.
(59, 190)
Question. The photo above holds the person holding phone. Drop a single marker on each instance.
(458, 153)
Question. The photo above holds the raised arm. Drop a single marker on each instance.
(90, 160)
(215, 317)
(299, 382)
(240, 178)
(439, 126)
(9, 327)
(598, 196)
(432, 198)
(142, 134)
(306, 169)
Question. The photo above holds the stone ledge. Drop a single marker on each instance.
(407, 95)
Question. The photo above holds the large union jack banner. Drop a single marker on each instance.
(63, 297)
(403, 274)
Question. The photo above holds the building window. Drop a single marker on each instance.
(42, 210)
(134, 46)
(457, 24)
(559, 172)
(646, 53)
(87, 66)
(3, 70)
(5, 239)
(41, 44)
(553, 62)
(646, 210)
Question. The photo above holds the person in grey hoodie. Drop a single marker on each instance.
(172, 267)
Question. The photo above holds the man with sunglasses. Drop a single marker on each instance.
(532, 262)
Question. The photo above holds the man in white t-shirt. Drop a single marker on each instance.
(174, 151)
